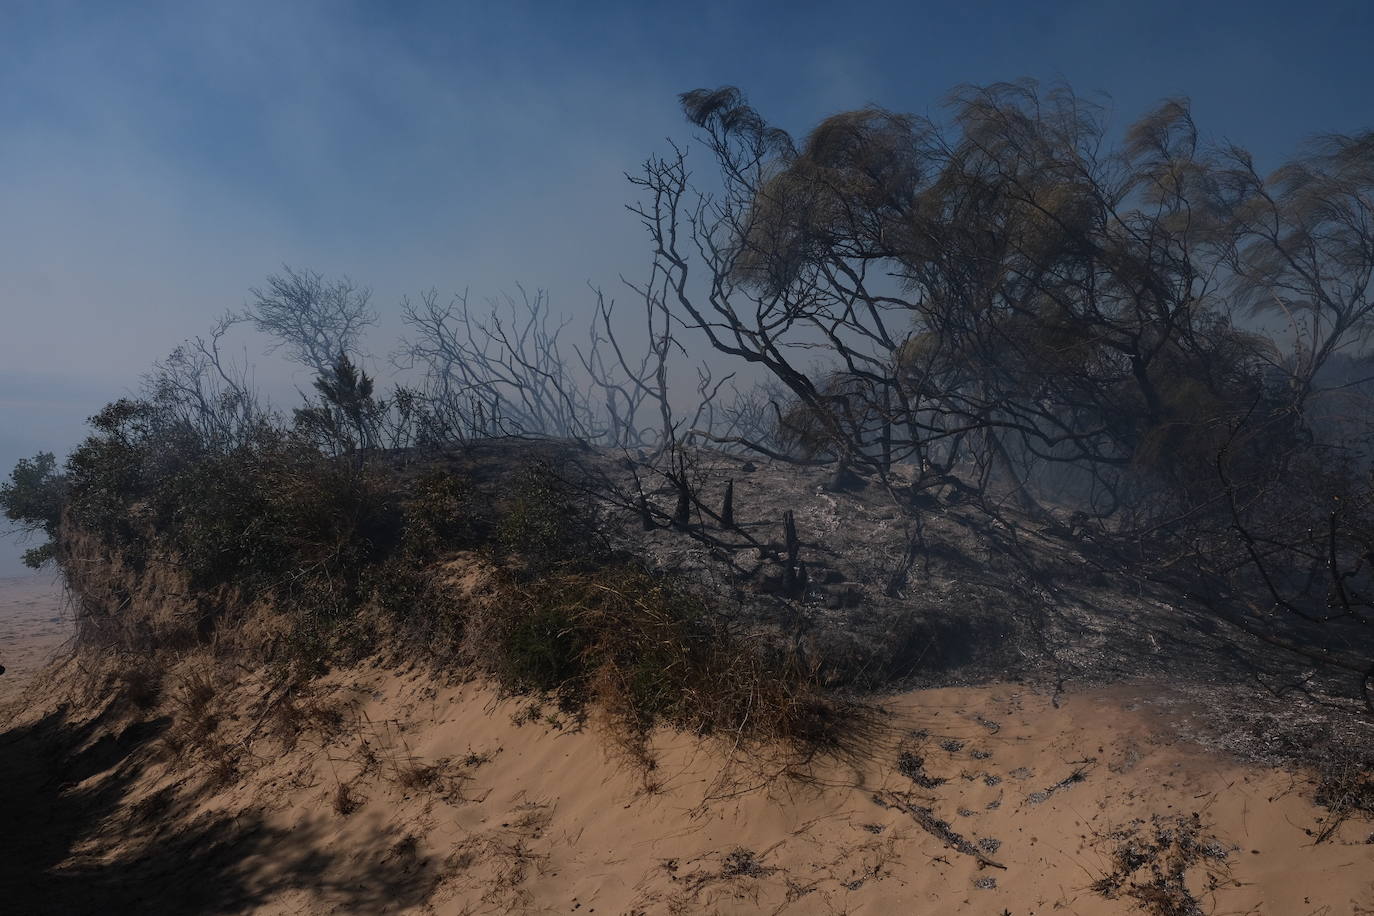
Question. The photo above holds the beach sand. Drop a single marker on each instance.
(392, 793)
(34, 627)
(380, 789)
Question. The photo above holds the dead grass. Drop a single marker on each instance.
(414, 776)
(1345, 787)
(195, 703)
(499, 862)
(298, 713)
(1164, 865)
(344, 801)
(141, 684)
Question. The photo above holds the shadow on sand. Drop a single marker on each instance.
(72, 843)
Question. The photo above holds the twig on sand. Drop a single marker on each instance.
(936, 828)
(269, 705)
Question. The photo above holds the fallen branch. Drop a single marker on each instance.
(936, 828)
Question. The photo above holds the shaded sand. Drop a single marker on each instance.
(34, 626)
(377, 791)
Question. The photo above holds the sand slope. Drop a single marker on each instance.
(375, 791)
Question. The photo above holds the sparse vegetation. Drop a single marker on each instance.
(1165, 865)
(651, 653)
(1345, 787)
(859, 500)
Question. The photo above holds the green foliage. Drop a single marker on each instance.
(37, 557)
(221, 518)
(440, 514)
(270, 516)
(443, 512)
(348, 549)
(112, 469)
(543, 650)
(541, 521)
(33, 498)
(347, 416)
(651, 654)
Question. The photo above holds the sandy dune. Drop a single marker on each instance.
(1038, 795)
(374, 790)
(379, 791)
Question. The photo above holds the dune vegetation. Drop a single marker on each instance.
(1005, 397)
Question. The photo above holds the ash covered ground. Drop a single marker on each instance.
(903, 593)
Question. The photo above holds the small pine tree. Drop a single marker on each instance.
(346, 417)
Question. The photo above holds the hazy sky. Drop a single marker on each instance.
(157, 160)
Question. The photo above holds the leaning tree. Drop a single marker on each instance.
(1015, 303)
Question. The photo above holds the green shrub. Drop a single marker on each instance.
(541, 521)
(543, 650)
(653, 654)
(326, 537)
(120, 463)
(34, 497)
(442, 513)
(221, 517)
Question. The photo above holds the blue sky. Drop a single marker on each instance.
(157, 160)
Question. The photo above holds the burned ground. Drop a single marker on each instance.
(934, 591)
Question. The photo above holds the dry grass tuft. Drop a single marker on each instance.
(1152, 865)
(344, 801)
(414, 776)
(297, 712)
(141, 684)
(1345, 787)
(194, 702)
